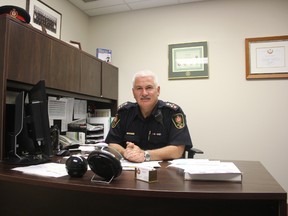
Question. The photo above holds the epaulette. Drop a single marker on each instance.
(125, 105)
(171, 105)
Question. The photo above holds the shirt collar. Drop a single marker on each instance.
(159, 104)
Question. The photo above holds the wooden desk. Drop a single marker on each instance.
(258, 194)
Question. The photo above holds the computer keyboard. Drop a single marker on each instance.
(29, 160)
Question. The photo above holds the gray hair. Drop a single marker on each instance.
(145, 73)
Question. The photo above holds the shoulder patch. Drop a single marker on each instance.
(178, 120)
(171, 105)
(115, 121)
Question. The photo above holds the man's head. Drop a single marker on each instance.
(145, 90)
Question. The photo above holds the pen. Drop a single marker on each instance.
(149, 135)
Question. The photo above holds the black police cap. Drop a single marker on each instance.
(16, 12)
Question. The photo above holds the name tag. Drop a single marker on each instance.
(156, 134)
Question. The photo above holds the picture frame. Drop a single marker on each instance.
(104, 54)
(44, 17)
(266, 57)
(188, 60)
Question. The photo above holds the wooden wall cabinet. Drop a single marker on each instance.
(28, 55)
(24, 59)
(65, 67)
(91, 76)
(109, 81)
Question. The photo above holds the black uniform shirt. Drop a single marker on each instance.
(165, 126)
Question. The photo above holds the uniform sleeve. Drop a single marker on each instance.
(115, 134)
(179, 132)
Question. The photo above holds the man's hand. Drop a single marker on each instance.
(133, 153)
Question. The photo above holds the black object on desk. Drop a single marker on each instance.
(63, 152)
(76, 165)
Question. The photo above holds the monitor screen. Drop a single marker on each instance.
(29, 142)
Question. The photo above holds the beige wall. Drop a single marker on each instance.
(229, 117)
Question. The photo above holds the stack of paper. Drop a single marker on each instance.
(127, 165)
(204, 169)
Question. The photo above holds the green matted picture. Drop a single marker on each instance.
(188, 60)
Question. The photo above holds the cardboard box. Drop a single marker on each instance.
(146, 174)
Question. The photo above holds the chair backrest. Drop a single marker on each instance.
(189, 153)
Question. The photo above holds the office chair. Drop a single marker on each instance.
(189, 153)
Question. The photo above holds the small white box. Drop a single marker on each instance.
(146, 174)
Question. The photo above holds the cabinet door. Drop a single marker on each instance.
(65, 67)
(28, 53)
(90, 76)
(109, 81)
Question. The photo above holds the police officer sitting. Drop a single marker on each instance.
(149, 129)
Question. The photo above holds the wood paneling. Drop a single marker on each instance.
(109, 81)
(90, 76)
(25, 61)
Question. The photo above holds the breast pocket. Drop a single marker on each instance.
(132, 138)
(157, 140)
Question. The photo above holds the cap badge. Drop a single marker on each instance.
(13, 13)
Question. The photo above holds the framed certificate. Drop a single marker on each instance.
(188, 60)
(266, 57)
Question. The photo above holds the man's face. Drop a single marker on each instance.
(145, 92)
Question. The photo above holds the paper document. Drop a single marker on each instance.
(127, 165)
(60, 108)
(80, 109)
(91, 127)
(202, 169)
(47, 169)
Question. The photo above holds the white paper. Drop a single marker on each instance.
(62, 109)
(202, 166)
(267, 57)
(57, 108)
(223, 167)
(127, 165)
(47, 169)
(80, 109)
(104, 121)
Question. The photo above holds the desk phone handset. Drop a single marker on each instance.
(68, 143)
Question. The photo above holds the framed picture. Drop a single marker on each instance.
(104, 54)
(44, 18)
(188, 60)
(266, 57)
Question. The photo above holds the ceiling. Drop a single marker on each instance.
(101, 7)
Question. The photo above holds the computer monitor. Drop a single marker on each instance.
(29, 140)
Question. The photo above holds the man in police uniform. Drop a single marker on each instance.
(149, 129)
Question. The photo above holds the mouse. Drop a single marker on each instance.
(63, 152)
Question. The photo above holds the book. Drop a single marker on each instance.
(208, 170)
(222, 171)
(104, 54)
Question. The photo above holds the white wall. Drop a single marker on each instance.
(229, 117)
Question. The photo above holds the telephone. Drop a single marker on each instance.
(68, 142)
